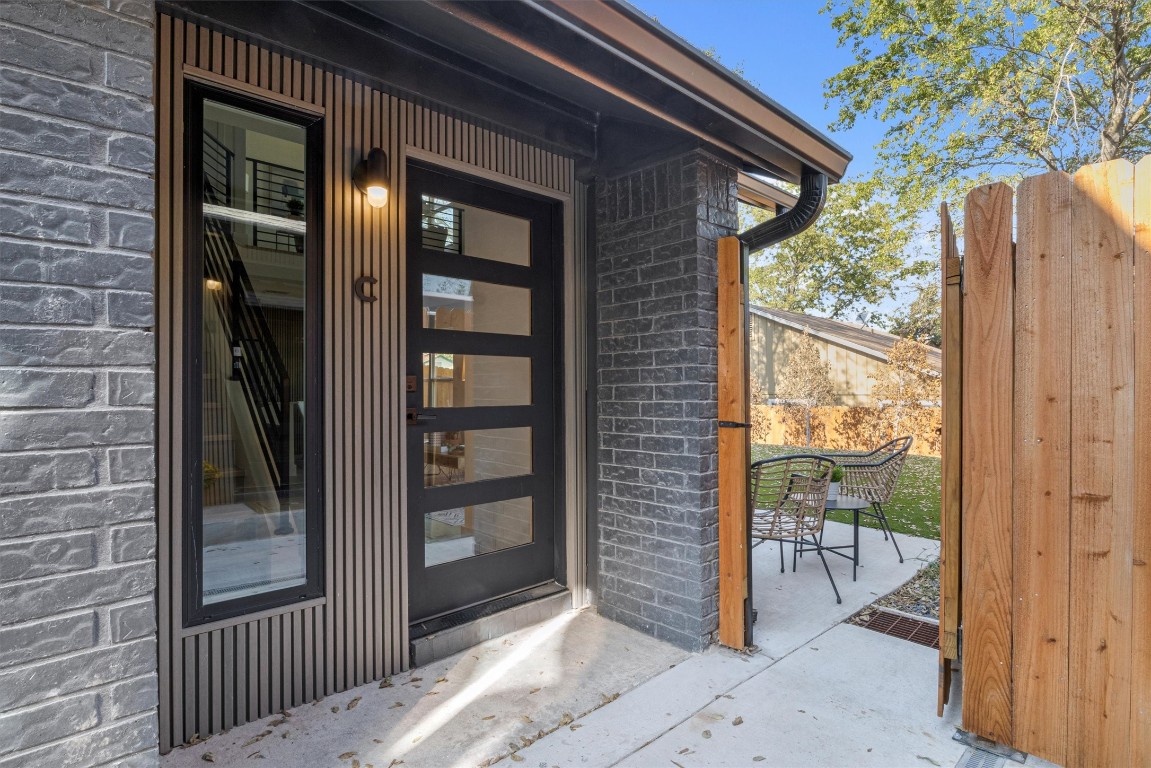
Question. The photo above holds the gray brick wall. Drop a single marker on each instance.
(657, 230)
(77, 457)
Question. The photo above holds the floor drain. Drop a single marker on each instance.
(904, 627)
(977, 758)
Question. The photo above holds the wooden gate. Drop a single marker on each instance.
(1054, 482)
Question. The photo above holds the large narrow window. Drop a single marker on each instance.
(253, 520)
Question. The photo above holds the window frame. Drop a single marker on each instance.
(195, 611)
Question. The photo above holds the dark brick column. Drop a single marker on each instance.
(657, 230)
(77, 507)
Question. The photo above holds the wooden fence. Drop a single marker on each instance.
(1053, 499)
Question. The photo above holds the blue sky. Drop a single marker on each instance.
(786, 47)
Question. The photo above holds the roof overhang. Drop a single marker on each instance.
(597, 80)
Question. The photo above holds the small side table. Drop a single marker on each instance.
(853, 505)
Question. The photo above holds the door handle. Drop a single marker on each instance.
(415, 418)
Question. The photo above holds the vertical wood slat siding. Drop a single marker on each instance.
(1042, 456)
(987, 472)
(226, 676)
(1102, 431)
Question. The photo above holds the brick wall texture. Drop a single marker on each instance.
(657, 230)
(77, 528)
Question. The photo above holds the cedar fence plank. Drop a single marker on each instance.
(1141, 535)
(1042, 465)
(733, 458)
(950, 512)
(1102, 433)
(987, 468)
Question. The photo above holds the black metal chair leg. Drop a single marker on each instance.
(782, 566)
(887, 529)
(819, 551)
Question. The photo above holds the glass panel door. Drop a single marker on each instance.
(484, 490)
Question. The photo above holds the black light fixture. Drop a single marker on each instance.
(371, 177)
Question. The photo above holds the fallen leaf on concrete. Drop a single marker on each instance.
(534, 690)
(395, 762)
(277, 722)
(527, 740)
(208, 757)
(386, 682)
(414, 680)
(573, 726)
(707, 734)
(255, 756)
(441, 679)
(527, 720)
(928, 759)
(737, 721)
(683, 751)
(677, 765)
(254, 739)
(715, 717)
(335, 709)
(397, 704)
(609, 699)
(489, 717)
(517, 758)
(346, 755)
(758, 758)
(567, 719)
(432, 693)
(355, 764)
(354, 702)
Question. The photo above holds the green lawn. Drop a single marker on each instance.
(915, 507)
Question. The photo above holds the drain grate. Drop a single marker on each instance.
(905, 628)
(977, 758)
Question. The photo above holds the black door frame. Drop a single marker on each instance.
(457, 585)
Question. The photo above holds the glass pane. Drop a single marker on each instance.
(454, 534)
(465, 229)
(471, 305)
(253, 472)
(463, 381)
(451, 458)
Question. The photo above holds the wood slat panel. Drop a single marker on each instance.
(1141, 535)
(1042, 464)
(987, 468)
(1102, 410)
(228, 675)
(733, 454)
(950, 511)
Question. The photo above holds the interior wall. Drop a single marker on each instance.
(213, 677)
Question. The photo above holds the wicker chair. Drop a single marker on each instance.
(872, 477)
(789, 497)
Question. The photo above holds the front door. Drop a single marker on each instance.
(483, 389)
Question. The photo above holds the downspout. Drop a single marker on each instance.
(812, 197)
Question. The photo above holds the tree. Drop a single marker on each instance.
(854, 255)
(922, 319)
(907, 389)
(805, 382)
(974, 88)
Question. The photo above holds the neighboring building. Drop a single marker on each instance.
(222, 490)
(857, 354)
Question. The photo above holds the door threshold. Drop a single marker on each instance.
(445, 635)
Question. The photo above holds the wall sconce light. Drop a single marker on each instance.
(371, 177)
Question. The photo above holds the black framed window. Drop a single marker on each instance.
(253, 511)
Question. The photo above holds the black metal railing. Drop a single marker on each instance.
(256, 362)
(277, 190)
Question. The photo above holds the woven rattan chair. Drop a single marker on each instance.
(872, 477)
(789, 497)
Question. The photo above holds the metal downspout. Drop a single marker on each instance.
(812, 197)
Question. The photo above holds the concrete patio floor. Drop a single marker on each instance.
(815, 692)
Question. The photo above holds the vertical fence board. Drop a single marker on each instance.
(733, 458)
(1141, 534)
(1042, 464)
(950, 522)
(987, 391)
(1102, 431)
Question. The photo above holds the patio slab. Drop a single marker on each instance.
(464, 710)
